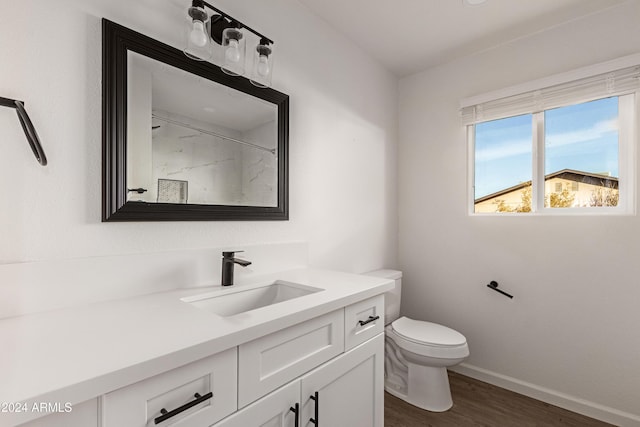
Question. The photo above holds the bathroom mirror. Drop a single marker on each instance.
(183, 141)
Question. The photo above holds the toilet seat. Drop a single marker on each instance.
(428, 339)
(428, 333)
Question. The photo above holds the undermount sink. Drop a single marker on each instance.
(236, 301)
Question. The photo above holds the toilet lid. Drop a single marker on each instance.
(427, 332)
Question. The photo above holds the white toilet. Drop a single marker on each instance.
(417, 354)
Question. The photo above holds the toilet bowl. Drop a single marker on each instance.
(422, 352)
(417, 354)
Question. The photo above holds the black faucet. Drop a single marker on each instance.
(228, 261)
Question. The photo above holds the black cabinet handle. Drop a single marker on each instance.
(296, 411)
(316, 399)
(168, 414)
(369, 320)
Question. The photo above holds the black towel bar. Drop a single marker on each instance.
(27, 127)
(494, 285)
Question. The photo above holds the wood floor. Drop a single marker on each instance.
(476, 403)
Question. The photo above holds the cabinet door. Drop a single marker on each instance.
(277, 409)
(349, 389)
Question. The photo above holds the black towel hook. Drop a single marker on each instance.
(27, 127)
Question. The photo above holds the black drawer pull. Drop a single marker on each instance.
(369, 320)
(296, 411)
(168, 414)
(316, 399)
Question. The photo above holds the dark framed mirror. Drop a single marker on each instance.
(183, 141)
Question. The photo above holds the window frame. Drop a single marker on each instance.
(628, 108)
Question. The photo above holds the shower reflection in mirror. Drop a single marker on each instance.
(191, 140)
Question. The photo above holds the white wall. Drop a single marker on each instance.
(342, 136)
(570, 333)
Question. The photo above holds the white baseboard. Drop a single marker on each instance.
(571, 403)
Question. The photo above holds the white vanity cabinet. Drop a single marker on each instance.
(330, 386)
(252, 369)
(347, 391)
(300, 372)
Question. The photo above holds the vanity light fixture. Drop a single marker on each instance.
(234, 48)
(262, 65)
(198, 43)
(226, 31)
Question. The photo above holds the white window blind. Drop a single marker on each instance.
(614, 83)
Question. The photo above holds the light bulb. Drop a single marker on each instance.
(263, 65)
(232, 53)
(198, 36)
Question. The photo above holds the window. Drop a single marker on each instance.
(571, 153)
(503, 156)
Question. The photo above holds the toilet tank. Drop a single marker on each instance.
(392, 297)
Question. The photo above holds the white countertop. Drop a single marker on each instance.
(76, 354)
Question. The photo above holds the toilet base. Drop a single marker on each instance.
(428, 388)
(418, 377)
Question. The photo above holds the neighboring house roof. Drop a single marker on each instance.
(568, 174)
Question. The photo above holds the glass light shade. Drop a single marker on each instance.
(262, 66)
(197, 39)
(233, 52)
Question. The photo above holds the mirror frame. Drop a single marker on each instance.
(116, 42)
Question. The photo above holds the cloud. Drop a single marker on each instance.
(516, 147)
(509, 148)
(598, 130)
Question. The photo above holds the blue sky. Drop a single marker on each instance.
(582, 137)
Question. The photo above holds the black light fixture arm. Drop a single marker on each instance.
(27, 127)
(263, 39)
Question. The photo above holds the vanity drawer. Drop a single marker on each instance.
(363, 320)
(139, 404)
(273, 360)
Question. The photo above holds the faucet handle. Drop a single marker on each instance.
(230, 254)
